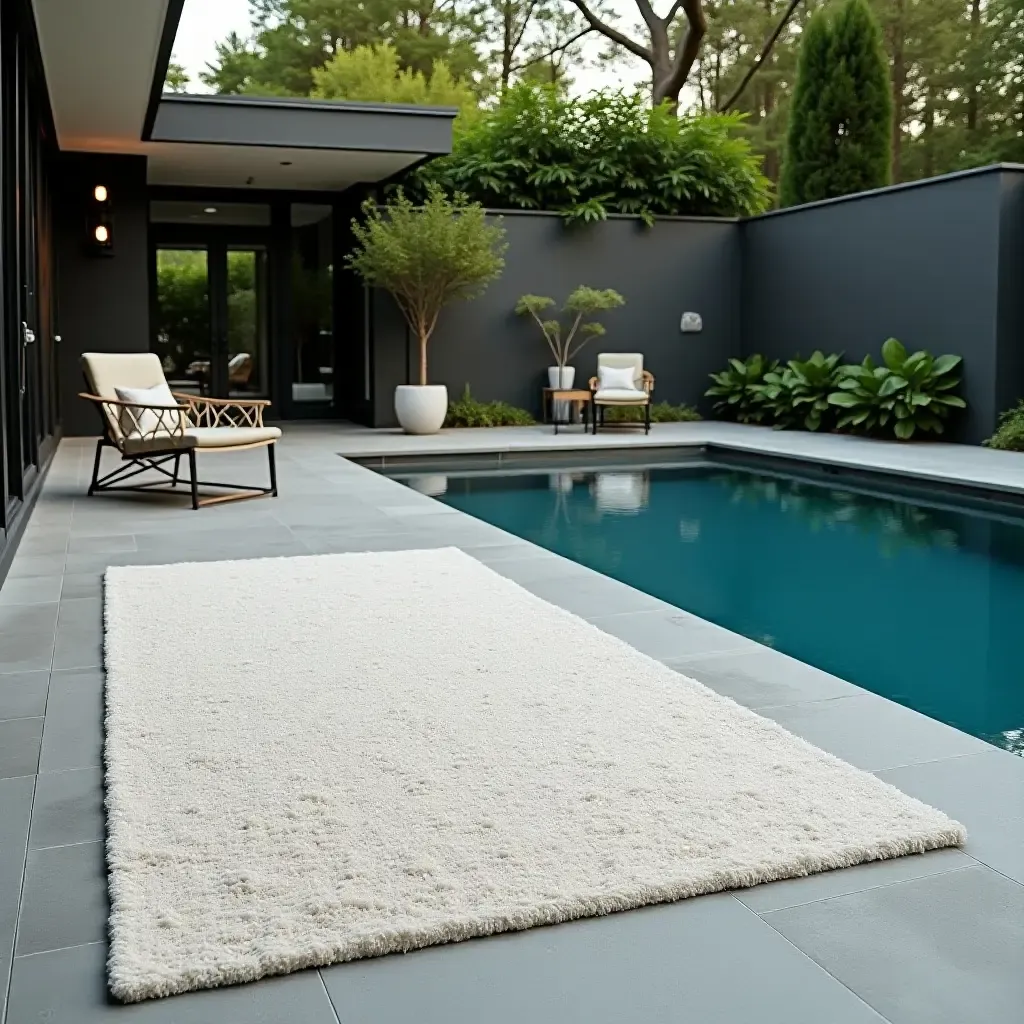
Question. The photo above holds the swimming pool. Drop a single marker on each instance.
(920, 603)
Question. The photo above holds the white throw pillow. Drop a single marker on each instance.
(616, 378)
(139, 421)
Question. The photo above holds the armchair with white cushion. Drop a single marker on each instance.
(151, 426)
(622, 381)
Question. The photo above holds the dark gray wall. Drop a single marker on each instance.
(1009, 383)
(921, 263)
(103, 302)
(677, 265)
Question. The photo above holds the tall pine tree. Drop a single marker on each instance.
(840, 124)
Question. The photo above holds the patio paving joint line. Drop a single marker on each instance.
(872, 888)
(820, 967)
(21, 891)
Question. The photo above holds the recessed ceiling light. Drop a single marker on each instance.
(210, 209)
(286, 163)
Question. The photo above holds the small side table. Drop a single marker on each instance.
(579, 397)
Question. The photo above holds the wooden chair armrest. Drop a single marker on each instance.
(648, 381)
(594, 381)
(130, 405)
(221, 401)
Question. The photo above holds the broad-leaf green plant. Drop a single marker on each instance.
(427, 256)
(914, 391)
(737, 389)
(798, 394)
(581, 304)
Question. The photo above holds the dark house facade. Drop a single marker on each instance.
(211, 230)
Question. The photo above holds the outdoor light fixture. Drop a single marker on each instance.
(210, 209)
(100, 222)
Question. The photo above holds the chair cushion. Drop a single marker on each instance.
(230, 437)
(137, 420)
(620, 396)
(616, 378)
(108, 371)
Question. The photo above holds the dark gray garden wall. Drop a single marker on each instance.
(677, 265)
(938, 264)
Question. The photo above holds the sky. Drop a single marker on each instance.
(204, 23)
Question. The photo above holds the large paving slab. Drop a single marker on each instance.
(801, 950)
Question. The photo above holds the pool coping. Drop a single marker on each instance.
(953, 465)
(921, 489)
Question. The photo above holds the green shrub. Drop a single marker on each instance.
(606, 152)
(1009, 435)
(799, 393)
(661, 412)
(912, 393)
(738, 389)
(469, 412)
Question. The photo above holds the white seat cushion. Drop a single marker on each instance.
(230, 437)
(624, 396)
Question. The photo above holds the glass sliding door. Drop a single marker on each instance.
(210, 323)
(312, 307)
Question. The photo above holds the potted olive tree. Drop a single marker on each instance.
(582, 303)
(427, 257)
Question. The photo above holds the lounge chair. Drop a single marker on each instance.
(622, 381)
(150, 426)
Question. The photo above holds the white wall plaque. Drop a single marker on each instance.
(691, 323)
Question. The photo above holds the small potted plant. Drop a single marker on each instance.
(582, 303)
(427, 257)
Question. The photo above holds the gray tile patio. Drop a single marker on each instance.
(937, 937)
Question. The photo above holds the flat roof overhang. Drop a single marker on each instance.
(105, 63)
(303, 124)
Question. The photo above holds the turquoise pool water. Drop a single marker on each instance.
(920, 604)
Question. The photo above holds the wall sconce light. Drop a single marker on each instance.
(100, 222)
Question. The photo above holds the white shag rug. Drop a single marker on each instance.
(315, 759)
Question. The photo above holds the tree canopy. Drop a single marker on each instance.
(955, 67)
(840, 125)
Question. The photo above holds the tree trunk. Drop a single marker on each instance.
(974, 86)
(899, 83)
(928, 134)
(423, 358)
(506, 44)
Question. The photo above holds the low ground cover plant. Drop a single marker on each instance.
(468, 411)
(661, 412)
(1009, 435)
(906, 395)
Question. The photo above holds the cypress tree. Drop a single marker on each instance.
(840, 124)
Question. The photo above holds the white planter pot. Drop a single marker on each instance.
(561, 411)
(420, 408)
(568, 375)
